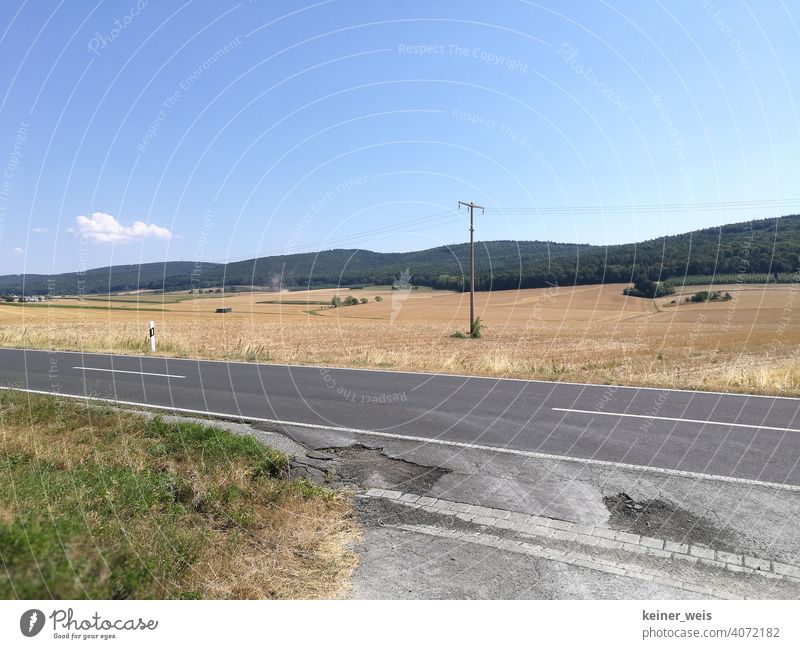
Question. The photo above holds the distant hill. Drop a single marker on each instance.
(742, 249)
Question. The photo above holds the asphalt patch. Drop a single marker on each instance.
(663, 519)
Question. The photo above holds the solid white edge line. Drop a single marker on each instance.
(103, 369)
(426, 440)
(619, 386)
(688, 421)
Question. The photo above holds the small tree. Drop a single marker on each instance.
(350, 300)
(378, 298)
(336, 301)
(363, 300)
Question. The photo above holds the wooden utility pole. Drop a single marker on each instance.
(472, 207)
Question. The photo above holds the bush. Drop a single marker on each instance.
(336, 301)
(363, 300)
(350, 300)
(475, 329)
(644, 287)
(378, 298)
(710, 296)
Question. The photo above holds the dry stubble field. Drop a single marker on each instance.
(585, 333)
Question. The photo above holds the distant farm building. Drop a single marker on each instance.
(224, 309)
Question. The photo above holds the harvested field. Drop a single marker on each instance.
(586, 333)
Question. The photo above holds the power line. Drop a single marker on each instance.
(650, 208)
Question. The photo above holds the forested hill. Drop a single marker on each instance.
(746, 249)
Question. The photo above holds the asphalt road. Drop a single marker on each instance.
(755, 438)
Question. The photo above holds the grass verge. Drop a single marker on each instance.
(97, 503)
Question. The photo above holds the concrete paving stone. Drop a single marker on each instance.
(633, 547)
(627, 537)
(555, 553)
(605, 533)
(461, 507)
(615, 571)
(498, 513)
(681, 548)
(431, 510)
(730, 557)
(540, 520)
(409, 498)
(587, 540)
(711, 563)
(392, 495)
(465, 516)
(478, 510)
(702, 552)
(582, 529)
(559, 525)
(786, 569)
(585, 563)
(538, 530)
(734, 568)
(661, 554)
(503, 524)
(666, 581)
(444, 504)
(651, 542)
(519, 517)
(643, 576)
(770, 575)
(483, 520)
(563, 535)
(375, 493)
(757, 564)
(610, 544)
(427, 500)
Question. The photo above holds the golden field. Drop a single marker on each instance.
(586, 333)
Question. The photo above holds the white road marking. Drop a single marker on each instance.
(425, 440)
(102, 369)
(681, 419)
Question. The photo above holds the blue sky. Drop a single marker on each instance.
(139, 131)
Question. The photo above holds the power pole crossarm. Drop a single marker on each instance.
(472, 207)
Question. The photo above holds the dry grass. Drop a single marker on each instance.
(590, 333)
(98, 503)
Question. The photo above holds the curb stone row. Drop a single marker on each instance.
(592, 535)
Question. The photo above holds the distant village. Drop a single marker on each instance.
(25, 298)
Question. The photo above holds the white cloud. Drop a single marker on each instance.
(18, 251)
(106, 229)
(41, 230)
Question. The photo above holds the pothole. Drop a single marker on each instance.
(370, 467)
(366, 467)
(662, 519)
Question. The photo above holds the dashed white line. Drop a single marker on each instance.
(680, 419)
(103, 369)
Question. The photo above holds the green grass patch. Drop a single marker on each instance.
(97, 503)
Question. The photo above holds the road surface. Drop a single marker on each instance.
(724, 435)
